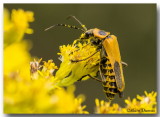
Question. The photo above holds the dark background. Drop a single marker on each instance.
(133, 24)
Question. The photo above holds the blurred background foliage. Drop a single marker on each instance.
(133, 24)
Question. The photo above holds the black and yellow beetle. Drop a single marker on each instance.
(110, 65)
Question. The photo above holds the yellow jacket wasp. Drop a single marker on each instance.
(110, 65)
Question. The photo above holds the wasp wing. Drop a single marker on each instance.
(111, 47)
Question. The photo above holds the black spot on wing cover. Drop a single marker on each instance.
(118, 76)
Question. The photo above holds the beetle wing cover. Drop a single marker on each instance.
(112, 49)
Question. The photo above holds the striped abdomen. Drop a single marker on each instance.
(108, 76)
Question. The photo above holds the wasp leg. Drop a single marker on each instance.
(124, 64)
(85, 58)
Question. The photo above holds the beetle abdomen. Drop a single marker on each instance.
(109, 84)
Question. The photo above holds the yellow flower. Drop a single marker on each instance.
(16, 25)
(16, 58)
(144, 104)
(39, 96)
(22, 94)
(31, 87)
(65, 102)
(103, 107)
(69, 72)
(78, 109)
(42, 71)
(20, 19)
(48, 68)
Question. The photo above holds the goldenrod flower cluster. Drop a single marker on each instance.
(69, 72)
(142, 104)
(31, 87)
(16, 25)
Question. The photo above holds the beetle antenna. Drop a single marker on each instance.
(65, 25)
(82, 25)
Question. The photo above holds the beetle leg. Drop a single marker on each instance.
(94, 78)
(79, 49)
(124, 64)
(121, 95)
(90, 77)
(85, 58)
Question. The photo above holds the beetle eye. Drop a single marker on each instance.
(101, 32)
(88, 34)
